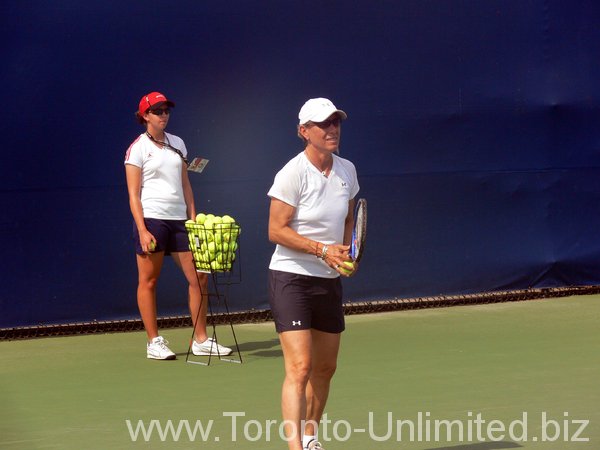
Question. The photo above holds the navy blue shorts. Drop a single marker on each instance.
(302, 302)
(171, 236)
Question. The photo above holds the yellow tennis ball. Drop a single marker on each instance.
(212, 249)
(200, 218)
(152, 246)
(349, 267)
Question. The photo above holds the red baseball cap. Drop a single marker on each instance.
(151, 100)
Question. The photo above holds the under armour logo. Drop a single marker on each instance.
(294, 323)
(344, 184)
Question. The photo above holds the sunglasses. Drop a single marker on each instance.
(327, 123)
(160, 111)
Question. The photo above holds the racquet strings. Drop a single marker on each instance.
(360, 229)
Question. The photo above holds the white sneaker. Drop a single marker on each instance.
(157, 349)
(209, 347)
(314, 445)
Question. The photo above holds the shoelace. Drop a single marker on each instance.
(162, 344)
(212, 343)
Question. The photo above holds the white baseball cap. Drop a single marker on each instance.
(318, 110)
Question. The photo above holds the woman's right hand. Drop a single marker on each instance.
(147, 242)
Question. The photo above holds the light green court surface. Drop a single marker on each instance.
(499, 371)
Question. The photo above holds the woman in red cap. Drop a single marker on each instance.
(161, 200)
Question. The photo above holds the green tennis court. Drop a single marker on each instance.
(497, 373)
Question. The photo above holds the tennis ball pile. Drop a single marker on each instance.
(213, 241)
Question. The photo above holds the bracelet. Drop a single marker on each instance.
(324, 252)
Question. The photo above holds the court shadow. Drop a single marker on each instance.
(262, 348)
(480, 446)
(269, 354)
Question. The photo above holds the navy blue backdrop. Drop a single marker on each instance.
(473, 125)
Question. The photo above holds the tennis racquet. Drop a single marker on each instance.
(359, 233)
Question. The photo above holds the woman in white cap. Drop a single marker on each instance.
(310, 220)
(161, 199)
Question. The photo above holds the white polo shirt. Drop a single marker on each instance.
(321, 206)
(162, 183)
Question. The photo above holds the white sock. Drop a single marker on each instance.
(306, 439)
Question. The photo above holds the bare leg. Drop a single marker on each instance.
(296, 346)
(149, 267)
(325, 348)
(197, 293)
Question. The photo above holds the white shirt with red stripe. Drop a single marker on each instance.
(162, 185)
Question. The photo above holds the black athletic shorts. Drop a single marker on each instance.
(171, 236)
(302, 302)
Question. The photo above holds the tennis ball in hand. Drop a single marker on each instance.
(152, 246)
(347, 267)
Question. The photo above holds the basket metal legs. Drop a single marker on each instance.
(219, 300)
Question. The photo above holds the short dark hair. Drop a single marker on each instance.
(139, 118)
